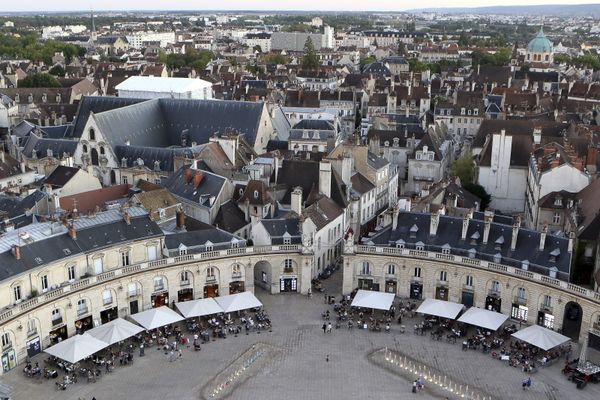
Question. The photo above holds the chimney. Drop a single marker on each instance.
(152, 214)
(72, 231)
(465, 226)
(537, 136)
(247, 210)
(543, 234)
(2, 157)
(395, 215)
(515, 234)
(296, 202)
(16, 250)
(487, 222)
(22, 165)
(126, 218)
(433, 223)
(180, 219)
(325, 178)
(187, 175)
(198, 178)
(571, 242)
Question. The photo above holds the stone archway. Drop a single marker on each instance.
(263, 275)
(571, 326)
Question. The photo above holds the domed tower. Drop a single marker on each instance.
(540, 49)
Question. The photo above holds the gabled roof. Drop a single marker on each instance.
(322, 212)
(61, 176)
(194, 185)
(230, 218)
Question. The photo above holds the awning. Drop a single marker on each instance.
(76, 348)
(115, 331)
(156, 317)
(199, 308)
(541, 337)
(377, 300)
(483, 318)
(440, 308)
(238, 301)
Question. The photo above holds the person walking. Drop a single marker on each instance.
(324, 328)
(327, 358)
(329, 327)
(414, 387)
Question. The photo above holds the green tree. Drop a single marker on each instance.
(41, 80)
(480, 192)
(401, 48)
(57, 70)
(417, 66)
(366, 61)
(464, 39)
(276, 59)
(464, 168)
(309, 60)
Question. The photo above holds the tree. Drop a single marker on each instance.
(366, 61)
(480, 192)
(401, 48)
(41, 80)
(463, 168)
(278, 59)
(309, 60)
(57, 70)
(417, 66)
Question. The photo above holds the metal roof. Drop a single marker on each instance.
(161, 85)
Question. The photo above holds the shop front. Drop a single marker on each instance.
(416, 290)
(211, 290)
(288, 284)
(84, 324)
(236, 287)
(390, 286)
(9, 360)
(519, 312)
(441, 293)
(33, 346)
(545, 319)
(159, 299)
(58, 333)
(467, 298)
(186, 294)
(493, 303)
(109, 314)
(365, 284)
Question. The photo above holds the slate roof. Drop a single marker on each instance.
(195, 241)
(164, 155)
(517, 127)
(450, 230)
(96, 105)
(230, 218)
(209, 185)
(40, 146)
(322, 212)
(376, 68)
(92, 238)
(278, 227)
(161, 122)
(360, 184)
(256, 192)
(315, 124)
(61, 176)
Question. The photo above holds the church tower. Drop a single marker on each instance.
(94, 35)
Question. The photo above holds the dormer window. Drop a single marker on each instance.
(499, 242)
(413, 231)
(123, 162)
(420, 246)
(462, 111)
(208, 246)
(44, 98)
(476, 111)
(17, 98)
(256, 194)
(387, 143)
(30, 98)
(472, 253)
(400, 244)
(497, 258)
(396, 142)
(558, 201)
(475, 237)
(446, 249)
(553, 254)
(58, 97)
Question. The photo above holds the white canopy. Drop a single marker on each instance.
(369, 299)
(76, 348)
(440, 308)
(238, 301)
(198, 308)
(156, 317)
(483, 318)
(541, 337)
(115, 331)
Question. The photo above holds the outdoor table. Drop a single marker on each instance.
(588, 368)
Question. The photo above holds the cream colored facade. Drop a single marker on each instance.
(122, 290)
(486, 279)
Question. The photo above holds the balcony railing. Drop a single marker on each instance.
(106, 301)
(494, 293)
(546, 308)
(57, 321)
(211, 278)
(236, 275)
(82, 310)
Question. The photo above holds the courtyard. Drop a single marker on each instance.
(307, 364)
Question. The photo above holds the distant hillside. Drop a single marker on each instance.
(573, 10)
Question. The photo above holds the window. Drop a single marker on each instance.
(236, 270)
(125, 258)
(446, 250)
(184, 276)
(56, 317)
(132, 289)
(495, 287)
(71, 272)
(81, 307)
(417, 272)
(92, 134)
(182, 251)
(365, 268)
(44, 282)
(210, 272)
(287, 240)
(6, 340)
(159, 283)
(521, 293)
(102, 150)
(556, 218)
(152, 253)
(124, 179)
(288, 265)
(469, 281)
(98, 265)
(391, 269)
(208, 246)
(420, 246)
(443, 276)
(17, 292)
(31, 328)
(107, 297)
(547, 301)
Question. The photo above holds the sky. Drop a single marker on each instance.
(327, 5)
